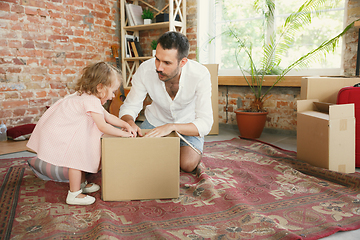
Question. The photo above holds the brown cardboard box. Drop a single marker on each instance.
(326, 140)
(325, 89)
(140, 168)
(213, 69)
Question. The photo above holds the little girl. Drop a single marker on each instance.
(67, 136)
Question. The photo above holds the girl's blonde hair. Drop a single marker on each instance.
(94, 74)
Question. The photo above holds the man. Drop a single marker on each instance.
(180, 90)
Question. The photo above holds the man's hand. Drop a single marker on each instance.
(131, 122)
(161, 131)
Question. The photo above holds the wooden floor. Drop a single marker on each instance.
(13, 146)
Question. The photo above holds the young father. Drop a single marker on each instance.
(180, 90)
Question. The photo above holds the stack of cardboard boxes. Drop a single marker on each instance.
(326, 131)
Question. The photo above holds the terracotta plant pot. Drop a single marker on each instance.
(250, 124)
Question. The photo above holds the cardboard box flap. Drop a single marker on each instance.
(324, 88)
(143, 131)
(339, 111)
(316, 114)
(306, 105)
(322, 106)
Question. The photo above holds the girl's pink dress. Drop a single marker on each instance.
(67, 136)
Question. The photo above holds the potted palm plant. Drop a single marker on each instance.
(269, 63)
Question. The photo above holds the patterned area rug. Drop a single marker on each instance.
(245, 190)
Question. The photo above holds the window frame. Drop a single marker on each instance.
(207, 50)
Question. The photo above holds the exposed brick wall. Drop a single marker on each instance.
(44, 44)
(281, 105)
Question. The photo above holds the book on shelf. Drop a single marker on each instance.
(132, 54)
(135, 12)
(128, 14)
(133, 47)
(138, 48)
(127, 47)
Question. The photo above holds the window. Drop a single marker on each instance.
(216, 16)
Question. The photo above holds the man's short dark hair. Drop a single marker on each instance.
(175, 40)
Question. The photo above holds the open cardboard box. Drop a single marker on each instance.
(140, 168)
(326, 139)
(325, 89)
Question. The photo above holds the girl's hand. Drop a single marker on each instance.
(130, 130)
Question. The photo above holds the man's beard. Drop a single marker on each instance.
(168, 77)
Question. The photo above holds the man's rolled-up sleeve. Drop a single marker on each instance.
(134, 100)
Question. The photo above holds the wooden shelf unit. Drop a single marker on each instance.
(175, 8)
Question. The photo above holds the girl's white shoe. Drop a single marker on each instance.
(72, 199)
(94, 187)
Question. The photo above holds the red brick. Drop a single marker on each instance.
(15, 44)
(4, 61)
(89, 5)
(77, 18)
(26, 94)
(108, 23)
(63, 92)
(57, 85)
(55, 71)
(69, 71)
(36, 70)
(68, 32)
(79, 32)
(68, 17)
(31, 11)
(42, 45)
(99, 14)
(19, 112)
(55, 15)
(68, 2)
(34, 3)
(17, 8)
(58, 38)
(4, 7)
(10, 1)
(14, 104)
(32, 62)
(14, 70)
(56, 7)
(73, 55)
(78, 3)
(42, 13)
(5, 52)
(40, 102)
(29, 44)
(46, 62)
(41, 94)
(5, 113)
(37, 78)
(9, 16)
(12, 95)
(33, 111)
(80, 40)
(53, 93)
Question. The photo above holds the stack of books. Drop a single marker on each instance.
(132, 47)
(134, 13)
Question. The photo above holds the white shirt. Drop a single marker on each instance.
(192, 103)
